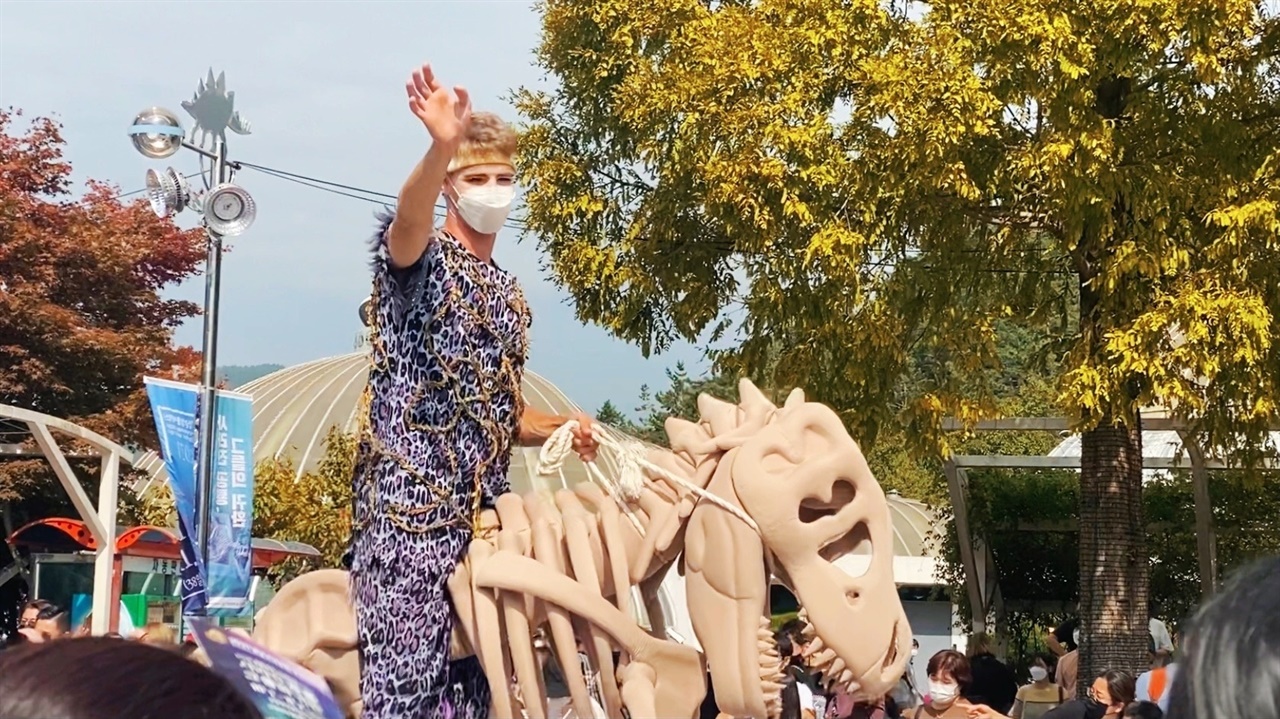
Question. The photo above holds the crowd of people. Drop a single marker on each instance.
(47, 669)
(1227, 667)
(43, 621)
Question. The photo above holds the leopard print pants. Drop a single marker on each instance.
(404, 618)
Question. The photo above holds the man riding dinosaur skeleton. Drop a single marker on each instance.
(752, 493)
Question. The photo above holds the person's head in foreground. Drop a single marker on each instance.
(480, 186)
(1230, 661)
(949, 677)
(1110, 694)
(101, 678)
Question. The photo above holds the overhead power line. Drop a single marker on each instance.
(514, 223)
(357, 193)
(131, 193)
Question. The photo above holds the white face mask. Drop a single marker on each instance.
(943, 694)
(1075, 637)
(914, 652)
(485, 208)
(1039, 674)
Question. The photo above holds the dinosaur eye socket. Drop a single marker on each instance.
(814, 508)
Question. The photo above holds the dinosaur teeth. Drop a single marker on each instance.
(771, 666)
(837, 667)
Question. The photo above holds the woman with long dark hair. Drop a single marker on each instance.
(1229, 665)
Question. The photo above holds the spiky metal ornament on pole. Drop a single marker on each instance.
(227, 211)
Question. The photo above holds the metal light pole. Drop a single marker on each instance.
(227, 211)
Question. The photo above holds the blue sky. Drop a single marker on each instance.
(322, 84)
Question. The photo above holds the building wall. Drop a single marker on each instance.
(931, 624)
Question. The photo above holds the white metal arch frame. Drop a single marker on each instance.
(100, 520)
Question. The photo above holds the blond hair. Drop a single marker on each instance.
(489, 141)
(158, 633)
(981, 643)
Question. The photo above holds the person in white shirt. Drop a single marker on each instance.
(1153, 686)
(807, 708)
(1161, 640)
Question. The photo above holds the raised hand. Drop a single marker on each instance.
(445, 112)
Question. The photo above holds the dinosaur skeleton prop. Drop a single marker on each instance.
(750, 493)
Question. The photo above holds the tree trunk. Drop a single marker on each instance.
(1113, 556)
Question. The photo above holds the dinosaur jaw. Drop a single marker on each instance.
(865, 664)
(875, 681)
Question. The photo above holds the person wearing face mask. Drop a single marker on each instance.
(443, 408)
(1038, 697)
(1064, 637)
(1107, 698)
(949, 678)
(1068, 665)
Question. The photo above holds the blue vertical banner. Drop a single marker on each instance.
(175, 408)
(230, 558)
(222, 587)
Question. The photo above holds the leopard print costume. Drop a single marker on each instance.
(449, 341)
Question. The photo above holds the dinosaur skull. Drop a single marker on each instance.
(807, 485)
(803, 481)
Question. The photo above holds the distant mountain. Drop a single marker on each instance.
(240, 375)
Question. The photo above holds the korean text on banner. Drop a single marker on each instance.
(231, 507)
(175, 406)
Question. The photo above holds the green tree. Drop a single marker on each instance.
(610, 415)
(862, 185)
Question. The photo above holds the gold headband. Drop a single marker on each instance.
(470, 156)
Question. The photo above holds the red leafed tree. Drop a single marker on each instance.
(82, 317)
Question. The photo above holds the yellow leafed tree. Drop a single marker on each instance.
(835, 187)
(314, 507)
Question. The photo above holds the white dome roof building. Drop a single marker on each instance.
(295, 408)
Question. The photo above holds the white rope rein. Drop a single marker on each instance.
(631, 467)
